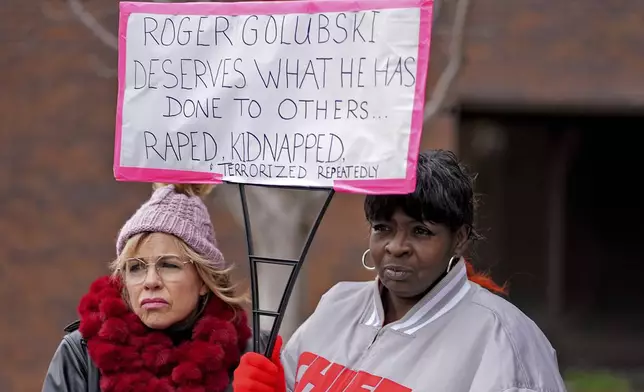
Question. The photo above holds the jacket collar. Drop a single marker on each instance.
(444, 296)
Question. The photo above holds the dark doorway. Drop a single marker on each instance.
(604, 291)
(586, 293)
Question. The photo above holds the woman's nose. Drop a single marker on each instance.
(398, 246)
(152, 278)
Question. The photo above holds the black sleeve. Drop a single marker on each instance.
(264, 336)
(68, 368)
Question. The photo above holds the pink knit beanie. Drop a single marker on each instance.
(179, 214)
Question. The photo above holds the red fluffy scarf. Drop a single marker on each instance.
(131, 357)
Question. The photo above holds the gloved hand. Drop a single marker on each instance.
(256, 373)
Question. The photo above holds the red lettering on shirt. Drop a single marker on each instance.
(306, 359)
(320, 374)
(326, 376)
(313, 374)
(343, 380)
(362, 380)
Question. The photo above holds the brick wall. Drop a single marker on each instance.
(58, 204)
(572, 53)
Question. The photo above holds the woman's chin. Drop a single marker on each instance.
(157, 321)
(405, 289)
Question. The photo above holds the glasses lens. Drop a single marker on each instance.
(135, 270)
(170, 268)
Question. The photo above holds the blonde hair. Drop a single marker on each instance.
(218, 281)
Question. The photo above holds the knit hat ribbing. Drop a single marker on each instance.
(178, 214)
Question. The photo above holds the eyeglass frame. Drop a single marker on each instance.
(183, 260)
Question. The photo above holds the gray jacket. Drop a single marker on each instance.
(458, 338)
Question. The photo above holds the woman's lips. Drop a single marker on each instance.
(397, 273)
(154, 303)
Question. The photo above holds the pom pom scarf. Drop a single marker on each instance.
(132, 357)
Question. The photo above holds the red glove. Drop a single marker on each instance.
(256, 373)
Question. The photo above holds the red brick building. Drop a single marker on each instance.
(539, 109)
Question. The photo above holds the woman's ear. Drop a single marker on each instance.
(203, 290)
(461, 238)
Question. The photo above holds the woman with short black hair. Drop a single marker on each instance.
(427, 323)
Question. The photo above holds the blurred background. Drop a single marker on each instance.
(539, 98)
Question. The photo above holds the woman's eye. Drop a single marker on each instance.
(135, 267)
(170, 264)
(423, 231)
(379, 228)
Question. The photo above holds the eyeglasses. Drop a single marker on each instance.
(170, 268)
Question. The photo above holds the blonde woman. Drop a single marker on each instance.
(168, 318)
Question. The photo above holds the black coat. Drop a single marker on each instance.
(72, 370)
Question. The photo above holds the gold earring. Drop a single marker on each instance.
(452, 263)
(364, 264)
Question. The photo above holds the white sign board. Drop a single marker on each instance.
(307, 94)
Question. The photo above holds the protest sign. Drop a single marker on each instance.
(325, 94)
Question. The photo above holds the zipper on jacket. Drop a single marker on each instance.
(375, 338)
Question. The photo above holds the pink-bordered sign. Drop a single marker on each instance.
(326, 94)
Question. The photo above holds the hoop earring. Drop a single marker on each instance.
(364, 264)
(452, 262)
